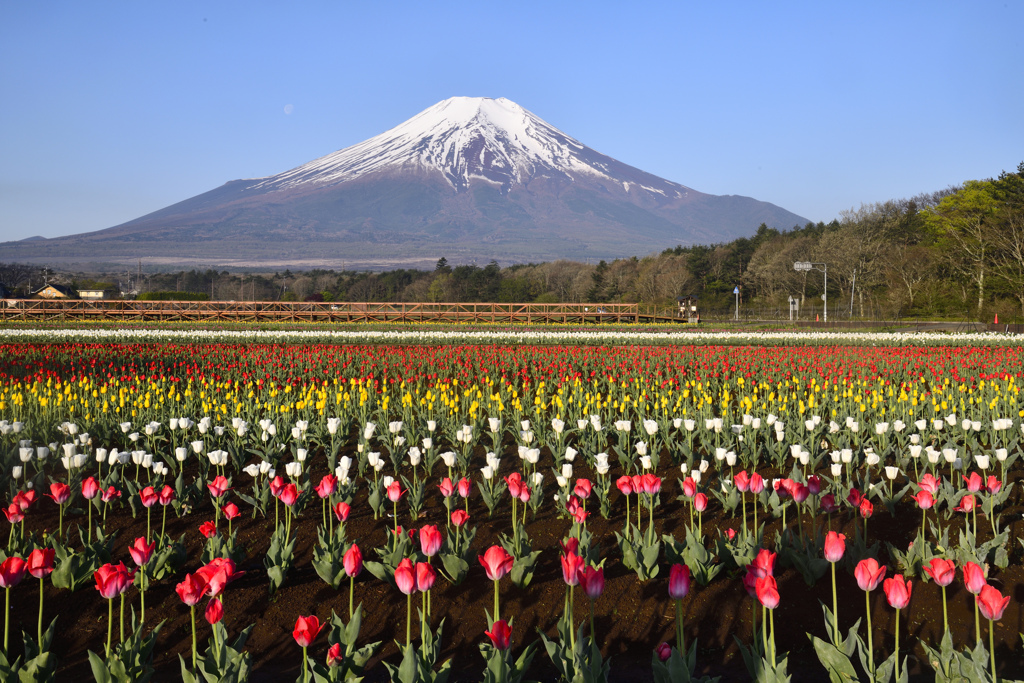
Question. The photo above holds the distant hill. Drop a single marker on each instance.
(472, 179)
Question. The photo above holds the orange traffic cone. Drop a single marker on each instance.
(817, 318)
(997, 319)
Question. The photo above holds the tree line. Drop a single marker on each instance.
(957, 252)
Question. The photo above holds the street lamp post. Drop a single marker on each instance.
(806, 266)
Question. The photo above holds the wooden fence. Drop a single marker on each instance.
(313, 312)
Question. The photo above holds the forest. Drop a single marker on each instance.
(954, 253)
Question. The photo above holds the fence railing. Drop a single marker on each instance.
(284, 311)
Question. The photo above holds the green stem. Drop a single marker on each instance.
(89, 505)
(7, 618)
(679, 628)
(496, 615)
(992, 649)
(835, 608)
(39, 636)
(163, 526)
(871, 644)
(977, 624)
(122, 618)
(195, 658)
(593, 634)
(408, 619)
(897, 669)
(305, 671)
(110, 624)
(351, 590)
(945, 613)
(771, 615)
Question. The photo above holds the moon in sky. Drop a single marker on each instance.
(288, 108)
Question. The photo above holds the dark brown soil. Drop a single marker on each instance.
(633, 617)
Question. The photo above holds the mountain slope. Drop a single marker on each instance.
(469, 178)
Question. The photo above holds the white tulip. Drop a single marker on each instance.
(494, 423)
(415, 456)
(567, 470)
(645, 462)
(448, 458)
(570, 453)
(983, 461)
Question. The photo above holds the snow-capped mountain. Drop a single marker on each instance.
(467, 139)
(470, 178)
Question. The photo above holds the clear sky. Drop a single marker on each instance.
(110, 110)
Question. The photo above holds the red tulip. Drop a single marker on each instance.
(500, 635)
(814, 484)
(524, 493)
(496, 562)
(334, 655)
(992, 603)
(59, 492)
(974, 578)
(571, 566)
(764, 563)
(973, 482)
(405, 576)
(208, 529)
(230, 511)
(515, 484)
(741, 481)
(993, 484)
(430, 540)
(767, 592)
(465, 487)
(446, 487)
(353, 561)
(854, 498)
(625, 485)
(664, 651)
(167, 495)
(219, 486)
(327, 485)
(276, 486)
(828, 503)
(897, 591)
(218, 573)
(869, 574)
(426, 575)
(109, 494)
(12, 571)
(651, 484)
(924, 499)
(394, 491)
(289, 494)
(214, 611)
(930, 484)
(678, 581)
(966, 504)
(140, 551)
(342, 510)
(459, 517)
(148, 496)
(14, 513)
(756, 483)
(24, 499)
(835, 546)
(592, 580)
(90, 488)
(700, 502)
(582, 488)
(866, 508)
(306, 630)
(112, 580)
(800, 493)
(192, 589)
(942, 571)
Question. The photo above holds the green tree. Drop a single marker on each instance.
(963, 224)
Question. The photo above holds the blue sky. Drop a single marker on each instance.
(112, 110)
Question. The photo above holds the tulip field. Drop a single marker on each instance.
(511, 508)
